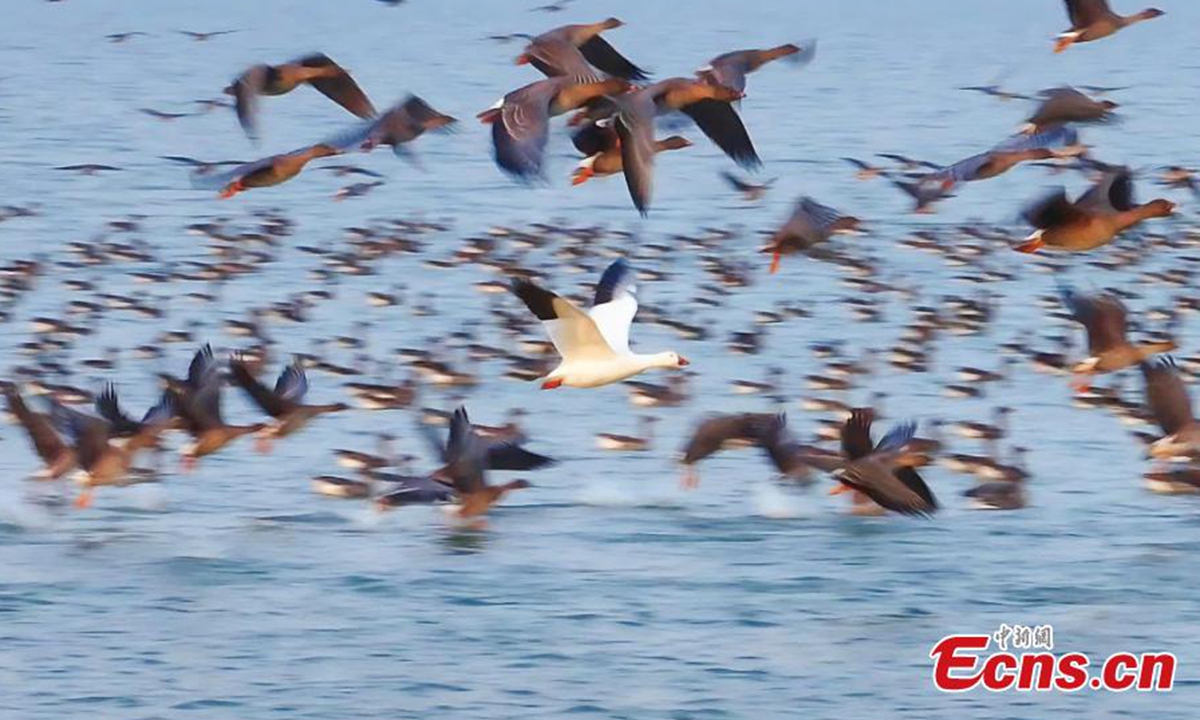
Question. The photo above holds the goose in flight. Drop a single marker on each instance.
(594, 345)
(1167, 397)
(1094, 19)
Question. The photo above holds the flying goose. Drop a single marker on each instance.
(521, 119)
(317, 70)
(1094, 19)
(810, 225)
(1168, 399)
(58, 458)
(593, 345)
(283, 403)
(1095, 219)
(1105, 319)
(570, 49)
(883, 471)
(730, 69)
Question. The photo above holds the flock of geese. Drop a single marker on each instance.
(614, 111)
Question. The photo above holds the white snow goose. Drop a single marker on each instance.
(594, 345)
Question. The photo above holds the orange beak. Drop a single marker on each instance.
(231, 189)
(582, 175)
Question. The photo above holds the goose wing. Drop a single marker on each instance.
(615, 305)
(1166, 395)
(574, 333)
(338, 86)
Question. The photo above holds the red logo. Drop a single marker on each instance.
(962, 663)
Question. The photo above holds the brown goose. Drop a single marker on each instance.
(1168, 399)
(317, 70)
(399, 125)
(608, 161)
(200, 411)
(731, 68)
(283, 403)
(57, 457)
(708, 105)
(810, 225)
(568, 50)
(1094, 19)
(468, 457)
(102, 461)
(1064, 105)
(885, 471)
(1094, 220)
(723, 431)
(521, 119)
(1104, 317)
(266, 172)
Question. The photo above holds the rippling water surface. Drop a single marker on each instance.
(604, 591)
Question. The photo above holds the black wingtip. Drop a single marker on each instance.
(539, 301)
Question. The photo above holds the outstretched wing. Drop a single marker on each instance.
(1166, 395)
(574, 333)
(270, 402)
(339, 86)
(292, 385)
(615, 305)
(598, 52)
(721, 123)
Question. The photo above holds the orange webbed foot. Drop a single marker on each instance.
(776, 257)
(84, 500)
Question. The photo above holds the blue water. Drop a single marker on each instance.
(604, 591)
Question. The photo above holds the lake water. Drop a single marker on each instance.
(604, 591)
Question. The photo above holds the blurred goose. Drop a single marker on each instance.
(121, 425)
(997, 496)
(468, 457)
(722, 431)
(317, 70)
(396, 127)
(1104, 317)
(283, 403)
(731, 68)
(521, 119)
(101, 461)
(200, 412)
(594, 346)
(751, 192)
(58, 458)
(1167, 397)
(708, 105)
(1174, 480)
(1095, 219)
(266, 172)
(570, 49)
(1094, 19)
(637, 443)
(1064, 105)
(810, 225)
(881, 471)
(609, 161)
